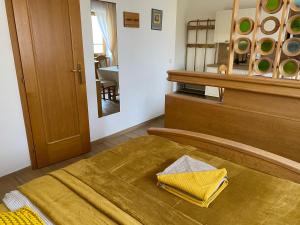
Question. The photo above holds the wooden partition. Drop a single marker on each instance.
(261, 112)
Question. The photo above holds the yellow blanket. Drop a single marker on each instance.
(3, 208)
(199, 188)
(119, 187)
(84, 194)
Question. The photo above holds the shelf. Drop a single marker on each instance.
(201, 45)
(238, 82)
(201, 27)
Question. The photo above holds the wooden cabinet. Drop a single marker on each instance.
(245, 117)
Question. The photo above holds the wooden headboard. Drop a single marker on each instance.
(235, 152)
(260, 112)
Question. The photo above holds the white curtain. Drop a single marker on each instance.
(100, 10)
(112, 30)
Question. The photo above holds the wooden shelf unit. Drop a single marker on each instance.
(201, 45)
(199, 25)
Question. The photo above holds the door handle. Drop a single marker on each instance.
(78, 71)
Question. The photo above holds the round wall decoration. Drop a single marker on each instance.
(266, 46)
(245, 26)
(293, 25)
(291, 47)
(271, 6)
(263, 65)
(289, 68)
(270, 25)
(242, 45)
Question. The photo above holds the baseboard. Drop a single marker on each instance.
(127, 130)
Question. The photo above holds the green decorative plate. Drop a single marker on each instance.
(289, 68)
(266, 46)
(242, 45)
(272, 6)
(263, 66)
(244, 26)
(293, 25)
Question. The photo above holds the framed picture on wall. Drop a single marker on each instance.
(156, 19)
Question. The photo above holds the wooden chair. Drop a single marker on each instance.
(108, 87)
(103, 61)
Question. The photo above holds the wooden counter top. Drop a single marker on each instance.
(290, 88)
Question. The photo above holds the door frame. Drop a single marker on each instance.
(20, 79)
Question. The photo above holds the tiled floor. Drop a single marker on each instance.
(12, 181)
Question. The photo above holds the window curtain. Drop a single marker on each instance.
(112, 30)
(106, 15)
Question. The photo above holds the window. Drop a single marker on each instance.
(99, 46)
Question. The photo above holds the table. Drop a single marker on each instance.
(109, 73)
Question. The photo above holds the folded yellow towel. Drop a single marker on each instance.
(198, 187)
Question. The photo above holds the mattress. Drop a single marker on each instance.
(119, 187)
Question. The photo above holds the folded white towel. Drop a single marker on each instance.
(186, 164)
(16, 200)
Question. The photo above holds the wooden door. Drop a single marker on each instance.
(50, 47)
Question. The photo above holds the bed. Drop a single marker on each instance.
(118, 186)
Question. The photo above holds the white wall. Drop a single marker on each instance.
(180, 34)
(208, 8)
(144, 57)
(14, 153)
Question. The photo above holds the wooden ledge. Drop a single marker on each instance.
(289, 88)
(234, 151)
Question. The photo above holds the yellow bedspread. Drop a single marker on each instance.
(119, 187)
(3, 208)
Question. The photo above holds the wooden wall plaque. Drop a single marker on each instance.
(131, 19)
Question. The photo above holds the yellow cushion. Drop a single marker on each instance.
(22, 216)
